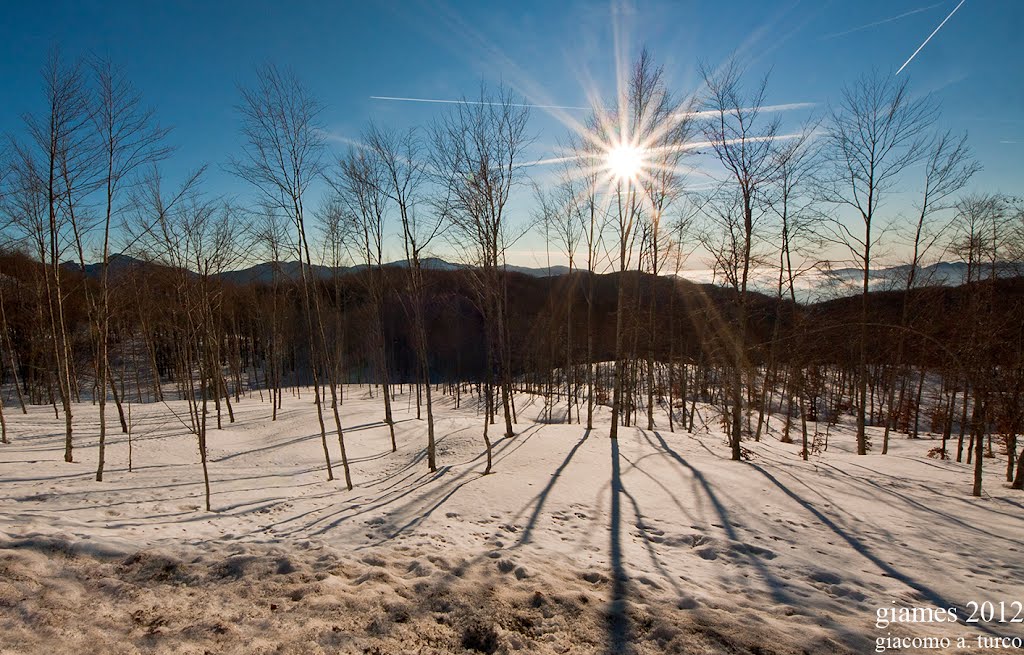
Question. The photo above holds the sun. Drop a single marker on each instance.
(624, 161)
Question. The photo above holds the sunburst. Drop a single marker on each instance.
(625, 161)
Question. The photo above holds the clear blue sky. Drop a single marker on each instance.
(188, 58)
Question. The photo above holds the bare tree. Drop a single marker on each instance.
(652, 126)
(194, 238)
(60, 154)
(742, 139)
(129, 140)
(948, 167)
(271, 237)
(360, 187)
(477, 155)
(982, 237)
(791, 203)
(548, 211)
(662, 184)
(282, 157)
(875, 132)
(4, 172)
(582, 179)
(403, 160)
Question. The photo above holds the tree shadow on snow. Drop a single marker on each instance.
(408, 497)
(926, 592)
(540, 499)
(618, 620)
(776, 587)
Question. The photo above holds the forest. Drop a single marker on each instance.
(134, 298)
(622, 328)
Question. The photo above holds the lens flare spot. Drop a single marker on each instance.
(624, 161)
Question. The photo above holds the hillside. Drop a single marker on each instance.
(655, 543)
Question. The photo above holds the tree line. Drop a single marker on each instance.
(713, 175)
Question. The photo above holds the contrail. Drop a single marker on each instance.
(765, 108)
(692, 114)
(929, 37)
(881, 22)
(474, 102)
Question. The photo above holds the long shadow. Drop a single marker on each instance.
(412, 481)
(934, 597)
(973, 502)
(337, 517)
(394, 478)
(927, 463)
(919, 505)
(54, 478)
(651, 551)
(903, 497)
(289, 442)
(192, 514)
(97, 490)
(635, 466)
(274, 446)
(446, 490)
(720, 509)
(775, 586)
(505, 448)
(393, 482)
(519, 439)
(397, 476)
(213, 492)
(541, 498)
(142, 467)
(1010, 502)
(374, 424)
(424, 513)
(783, 465)
(618, 620)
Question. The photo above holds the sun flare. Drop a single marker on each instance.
(624, 161)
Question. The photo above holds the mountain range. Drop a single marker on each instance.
(833, 282)
(264, 272)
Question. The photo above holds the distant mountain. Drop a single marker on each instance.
(265, 272)
(938, 274)
(554, 271)
(817, 285)
(432, 263)
(290, 270)
(117, 264)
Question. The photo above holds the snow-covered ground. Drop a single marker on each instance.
(575, 544)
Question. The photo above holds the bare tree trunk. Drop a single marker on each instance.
(1018, 480)
(977, 431)
(613, 430)
(10, 351)
(963, 424)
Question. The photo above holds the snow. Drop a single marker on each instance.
(576, 543)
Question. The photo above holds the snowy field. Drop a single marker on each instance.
(575, 544)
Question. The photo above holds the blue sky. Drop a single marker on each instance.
(188, 58)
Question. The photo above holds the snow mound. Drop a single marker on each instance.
(574, 543)
(62, 596)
